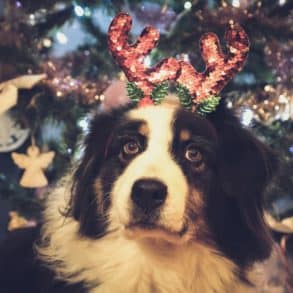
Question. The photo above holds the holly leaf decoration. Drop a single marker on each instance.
(134, 92)
(159, 92)
(208, 105)
(184, 96)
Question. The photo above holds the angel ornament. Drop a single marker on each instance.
(34, 163)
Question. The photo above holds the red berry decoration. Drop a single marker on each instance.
(146, 101)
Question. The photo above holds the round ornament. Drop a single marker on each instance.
(12, 135)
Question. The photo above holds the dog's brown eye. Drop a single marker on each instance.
(192, 154)
(131, 148)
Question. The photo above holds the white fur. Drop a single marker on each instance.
(121, 265)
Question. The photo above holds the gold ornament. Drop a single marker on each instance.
(284, 226)
(34, 163)
(8, 89)
(16, 221)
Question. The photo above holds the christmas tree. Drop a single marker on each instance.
(67, 40)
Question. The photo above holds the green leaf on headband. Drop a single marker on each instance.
(134, 92)
(184, 96)
(159, 92)
(208, 105)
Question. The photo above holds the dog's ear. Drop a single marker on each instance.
(247, 164)
(84, 202)
(245, 168)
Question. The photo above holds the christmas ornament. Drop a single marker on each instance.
(8, 89)
(284, 225)
(33, 163)
(198, 91)
(12, 135)
(17, 221)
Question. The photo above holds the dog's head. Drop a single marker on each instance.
(161, 173)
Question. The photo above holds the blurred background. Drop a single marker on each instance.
(67, 41)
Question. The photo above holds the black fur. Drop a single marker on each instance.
(238, 169)
(244, 169)
(84, 199)
(22, 272)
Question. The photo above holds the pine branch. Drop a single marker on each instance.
(159, 92)
(208, 105)
(134, 92)
(184, 96)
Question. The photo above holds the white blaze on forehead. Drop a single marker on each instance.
(159, 121)
(155, 162)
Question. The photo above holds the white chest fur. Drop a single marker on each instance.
(118, 265)
(188, 270)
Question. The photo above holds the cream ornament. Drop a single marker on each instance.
(12, 134)
(9, 89)
(17, 221)
(284, 226)
(34, 163)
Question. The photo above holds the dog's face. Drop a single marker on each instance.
(161, 173)
(164, 157)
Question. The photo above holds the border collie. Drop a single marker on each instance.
(163, 200)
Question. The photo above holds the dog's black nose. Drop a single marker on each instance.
(148, 194)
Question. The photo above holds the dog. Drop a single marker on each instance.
(162, 200)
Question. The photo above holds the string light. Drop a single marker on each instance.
(83, 123)
(79, 11)
(32, 19)
(61, 38)
(47, 42)
(82, 11)
(247, 116)
(236, 3)
(87, 12)
(187, 5)
(101, 98)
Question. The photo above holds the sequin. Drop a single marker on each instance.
(220, 68)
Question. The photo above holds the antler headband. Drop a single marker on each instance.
(196, 90)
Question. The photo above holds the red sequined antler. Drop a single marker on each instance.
(220, 68)
(131, 57)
